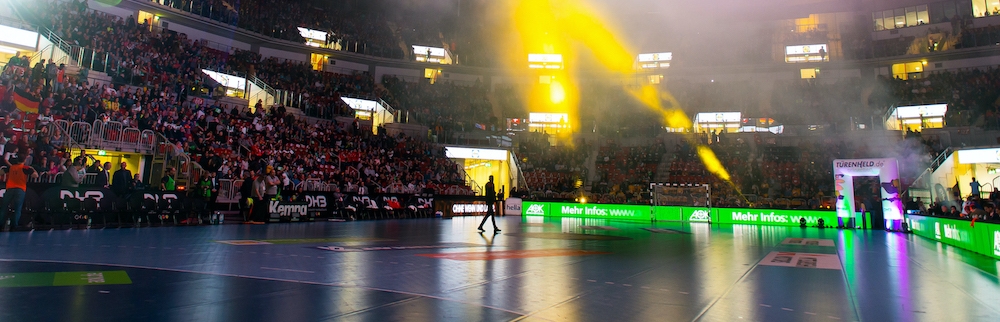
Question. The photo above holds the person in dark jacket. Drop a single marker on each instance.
(491, 201)
(104, 176)
(121, 182)
(246, 193)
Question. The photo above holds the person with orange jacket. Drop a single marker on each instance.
(17, 183)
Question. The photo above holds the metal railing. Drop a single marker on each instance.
(934, 165)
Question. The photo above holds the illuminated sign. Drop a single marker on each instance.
(476, 154)
(545, 58)
(312, 34)
(887, 171)
(465, 208)
(983, 238)
(806, 53)
(723, 117)
(773, 216)
(361, 104)
(656, 57)
(18, 37)
(548, 117)
(428, 51)
(545, 61)
(655, 60)
(805, 49)
(606, 211)
(231, 81)
(979, 156)
(918, 111)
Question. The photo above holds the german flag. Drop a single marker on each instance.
(25, 102)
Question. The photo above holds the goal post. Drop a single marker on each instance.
(681, 194)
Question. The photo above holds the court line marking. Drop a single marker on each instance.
(729, 289)
(406, 300)
(287, 270)
(346, 286)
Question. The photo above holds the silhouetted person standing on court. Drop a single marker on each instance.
(491, 201)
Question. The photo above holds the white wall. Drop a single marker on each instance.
(121, 12)
(281, 54)
(199, 34)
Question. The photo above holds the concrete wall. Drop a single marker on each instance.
(407, 74)
(283, 54)
(199, 34)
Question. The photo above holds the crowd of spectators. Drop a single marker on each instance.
(791, 177)
(625, 172)
(348, 157)
(552, 171)
(359, 27)
(445, 107)
(166, 66)
(969, 93)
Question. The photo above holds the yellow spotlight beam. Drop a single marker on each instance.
(546, 24)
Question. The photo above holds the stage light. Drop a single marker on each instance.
(821, 223)
(557, 94)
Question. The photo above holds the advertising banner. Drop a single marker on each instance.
(991, 234)
(772, 216)
(512, 207)
(288, 211)
(604, 211)
(887, 170)
(665, 213)
(983, 238)
(694, 214)
(532, 208)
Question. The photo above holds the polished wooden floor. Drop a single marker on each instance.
(536, 269)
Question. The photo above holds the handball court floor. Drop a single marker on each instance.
(553, 269)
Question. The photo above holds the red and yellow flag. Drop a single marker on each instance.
(25, 102)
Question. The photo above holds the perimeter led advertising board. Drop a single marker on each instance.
(563, 209)
(772, 216)
(983, 238)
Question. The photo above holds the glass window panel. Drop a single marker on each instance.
(922, 17)
(890, 19)
(900, 17)
(877, 17)
(979, 8)
(963, 8)
(994, 6)
(948, 9)
(911, 16)
(934, 11)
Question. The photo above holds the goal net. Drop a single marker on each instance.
(691, 195)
